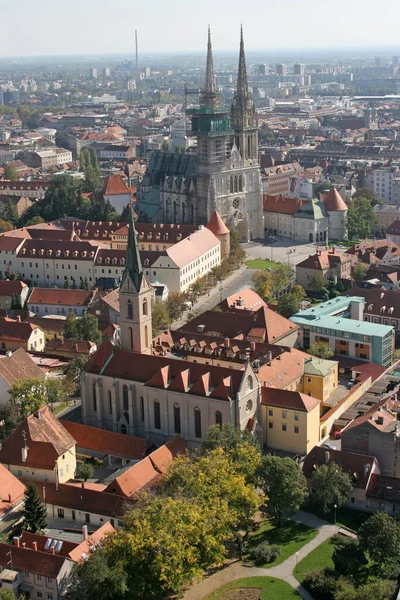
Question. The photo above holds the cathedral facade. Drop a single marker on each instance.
(225, 173)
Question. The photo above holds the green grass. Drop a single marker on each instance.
(271, 588)
(261, 263)
(290, 538)
(317, 560)
(60, 407)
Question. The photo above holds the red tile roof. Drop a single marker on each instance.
(324, 259)
(18, 366)
(11, 329)
(245, 300)
(84, 548)
(287, 399)
(216, 224)
(12, 491)
(106, 442)
(8, 288)
(384, 487)
(163, 456)
(26, 559)
(114, 185)
(64, 345)
(46, 439)
(350, 462)
(334, 201)
(281, 204)
(61, 297)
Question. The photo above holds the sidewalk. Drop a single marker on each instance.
(283, 571)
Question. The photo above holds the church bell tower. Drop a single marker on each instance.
(135, 296)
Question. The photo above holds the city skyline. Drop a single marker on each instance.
(177, 28)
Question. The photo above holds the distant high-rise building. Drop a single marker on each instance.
(262, 69)
(106, 72)
(93, 73)
(378, 61)
(281, 69)
(131, 85)
(299, 69)
(147, 72)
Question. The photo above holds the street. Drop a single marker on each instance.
(280, 251)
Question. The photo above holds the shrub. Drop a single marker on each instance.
(321, 584)
(265, 553)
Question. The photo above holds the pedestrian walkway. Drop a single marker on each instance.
(283, 571)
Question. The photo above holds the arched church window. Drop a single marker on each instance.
(157, 415)
(125, 397)
(197, 422)
(94, 396)
(236, 183)
(249, 382)
(218, 418)
(145, 307)
(177, 418)
(142, 409)
(130, 337)
(129, 310)
(231, 185)
(146, 336)
(240, 183)
(123, 429)
(109, 402)
(235, 203)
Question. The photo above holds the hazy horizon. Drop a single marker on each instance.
(90, 28)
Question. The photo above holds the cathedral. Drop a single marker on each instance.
(223, 176)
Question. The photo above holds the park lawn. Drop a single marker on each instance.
(271, 588)
(290, 538)
(261, 263)
(317, 560)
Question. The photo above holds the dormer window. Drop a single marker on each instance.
(58, 253)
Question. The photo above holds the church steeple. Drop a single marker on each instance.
(209, 94)
(135, 295)
(242, 85)
(133, 262)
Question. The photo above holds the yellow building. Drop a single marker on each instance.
(40, 448)
(290, 420)
(320, 378)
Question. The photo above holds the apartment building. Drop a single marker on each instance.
(382, 183)
(340, 323)
(55, 301)
(329, 263)
(381, 306)
(15, 334)
(387, 214)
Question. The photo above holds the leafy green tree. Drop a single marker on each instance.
(54, 390)
(11, 212)
(66, 284)
(175, 305)
(5, 225)
(27, 396)
(6, 594)
(348, 557)
(234, 240)
(317, 282)
(368, 193)
(34, 512)
(281, 278)
(282, 480)
(359, 271)
(159, 317)
(380, 539)
(84, 284)
(262, 284)
(10, 172)
(34, 221)
(321, 350)
(241, 446)
(73, 369)
(361, 219)
(73, 284)
(288, 305)
(84, 328)
(85, 470)
(381, 589)
(330, 485)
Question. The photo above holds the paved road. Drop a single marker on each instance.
(280, 251)
(283, 571)
(71, 413)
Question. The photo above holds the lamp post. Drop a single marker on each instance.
(335, 507)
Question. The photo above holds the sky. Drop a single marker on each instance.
(46, 27)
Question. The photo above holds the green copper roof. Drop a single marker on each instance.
(133, 263)
(315, 209)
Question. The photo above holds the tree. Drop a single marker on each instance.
(240, 445)
(317, 282)
(348, 556)
(34, 512)
(368, 193)
(288, 305)
(66, 284)
(11, 212)
(159, 317)
(84, 328)
(262, 284)
(5, 225)
(321, 350)
(199, 476)
(10, 172)
(380, 539)
(359, 271)
(175, 305)
(234, 239)
(285, 485)
(34, 221)
(281, 278)
(6, 594)
(373, 590)
(361, 219)
(330, 485)
(85, 470)
(73, 370)
(27, 396)
(54, 390)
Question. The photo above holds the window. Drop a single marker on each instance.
(39, 594)
(296, 417)
(94, 392)
(177, 418)
(283, 427)
(142, 409)
(197, 422)
(145, 307)
(157, 415)
(49, 579)
(249, 383)
(270, 425)
(352, 500)
(60, 513)
(129, 310)
(308, 379)
(109, 402)
(130, 337)
(39, 577)
(125, 397)
(61, 472)
(49, 596)
(284, 414)
(218, 418)
(296, 429)
(270, 412)
(26, 574)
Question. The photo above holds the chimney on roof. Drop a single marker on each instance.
(34, 546)
(52, 550)
(84, 533)
(23, 544)
(10, 498)
(16, 541)
(327, 456)
(24, 453)
(252, 346)
(227, 342)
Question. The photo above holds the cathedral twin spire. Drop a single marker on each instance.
(133, 267)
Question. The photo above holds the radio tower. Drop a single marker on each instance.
(137, 53)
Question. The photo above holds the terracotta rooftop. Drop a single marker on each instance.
(114, 185)
(378, 301)
(324, 259)
(26, 559)
(11, 329)
(46, 440)
(84, 548)
(8, 287)
(286, 399)
(282, 204)
(216, 224)
(358, 466)
(334, 201)
(384, 487)
(61, 297)
(246, 300)
(106, 442)
(18, 366)
(12, 491)
(67, 345)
